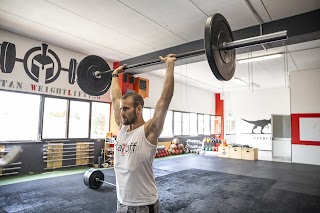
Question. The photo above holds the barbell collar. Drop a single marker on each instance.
(271, 37)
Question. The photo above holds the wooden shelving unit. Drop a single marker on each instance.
(109, 151)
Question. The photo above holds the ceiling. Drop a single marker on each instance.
(125, 29)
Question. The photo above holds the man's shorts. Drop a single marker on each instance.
(154, 208)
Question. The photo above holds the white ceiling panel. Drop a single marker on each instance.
(279, 9)
(75, 25)
(231, 10)
(260, 10)
(124, 21)
(55, 37)
(180, 17)
(307, 59)
(304, 46)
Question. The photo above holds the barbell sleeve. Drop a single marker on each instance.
(97, 179)
(271, 37)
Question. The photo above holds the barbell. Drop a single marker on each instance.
(94, 75)
(11, 156)
(94, 178)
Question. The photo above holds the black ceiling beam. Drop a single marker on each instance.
(301, 28)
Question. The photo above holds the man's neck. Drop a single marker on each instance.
(136, 125)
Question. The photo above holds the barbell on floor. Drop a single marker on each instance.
(11, 156)
(94, 178)
(94, 74)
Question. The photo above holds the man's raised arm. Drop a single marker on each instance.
(155, 125)
(115, 93)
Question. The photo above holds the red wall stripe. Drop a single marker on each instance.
(295, 128)
(116, 64)
(220, 111)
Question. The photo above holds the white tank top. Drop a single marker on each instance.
(133, 158)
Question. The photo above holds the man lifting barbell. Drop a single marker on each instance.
(137, 141)
(136, 145)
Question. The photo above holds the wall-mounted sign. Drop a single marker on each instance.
(40, 71)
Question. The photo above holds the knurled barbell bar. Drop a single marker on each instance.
(94, 178)
(94, 74)
(11, 156)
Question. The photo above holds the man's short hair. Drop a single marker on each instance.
(136, 98)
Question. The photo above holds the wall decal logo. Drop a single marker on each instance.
(259, 123)
(42, 64)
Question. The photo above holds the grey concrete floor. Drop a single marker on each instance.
(301, 178)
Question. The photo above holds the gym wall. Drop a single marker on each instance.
(255, 105)
(305, 104)
(185, 98)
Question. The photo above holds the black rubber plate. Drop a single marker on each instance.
(86, 80)
(89, 178)
(222, 63)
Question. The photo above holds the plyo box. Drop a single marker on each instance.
(249, 154)
(235, 152)
(224, 151)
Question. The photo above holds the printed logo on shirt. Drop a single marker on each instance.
(125, 148)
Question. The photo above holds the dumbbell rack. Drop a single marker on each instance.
(195, 146)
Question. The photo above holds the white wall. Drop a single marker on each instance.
(255, 105)
(60, 87)
(305, 98)
(185, 97)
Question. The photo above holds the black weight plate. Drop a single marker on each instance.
(7, 57)
(85, 75)
(222, 63)
(93, 183)
(86, 177)
(72, 70)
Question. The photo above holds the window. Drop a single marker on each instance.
(146, 114)
(79, 119)
(206, 123)
(100, 116)
(200, 124)
(54, 118)
(185, 124)
(177, 122)
(193, 124)
(19, 116)
(167, 127)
